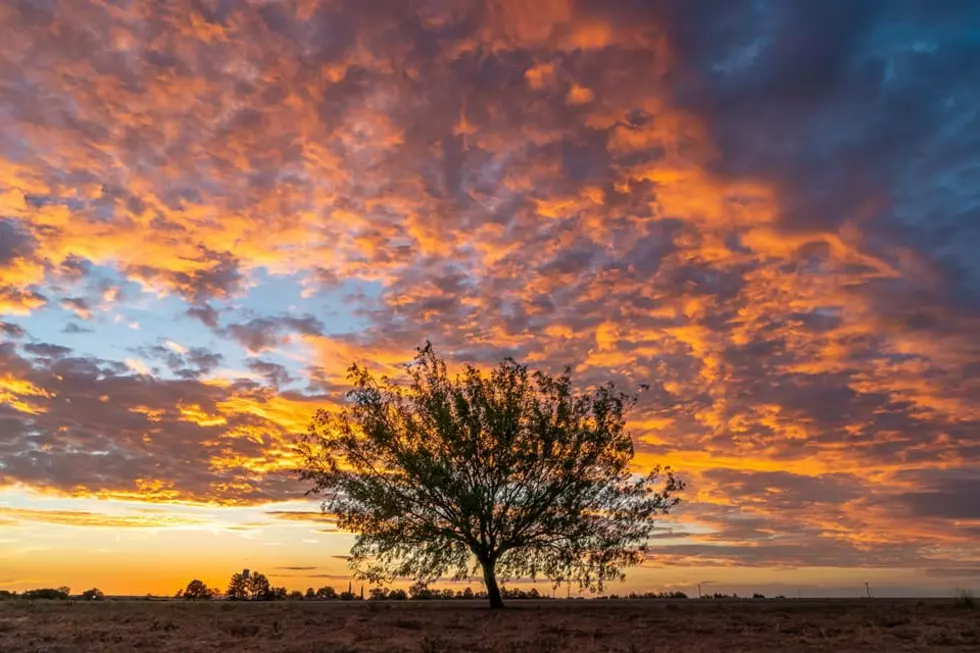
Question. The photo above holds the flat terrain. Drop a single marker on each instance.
(450, 627)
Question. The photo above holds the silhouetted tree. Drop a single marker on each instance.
(259, 589)
(276, 594)
(310, 593)
(296, 595)
(60, 594)
(94, 594)
(197, 591)
(511, 473)
(328, 593)
(419, 591)
(239, 587)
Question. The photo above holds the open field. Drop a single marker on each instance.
(450, 627)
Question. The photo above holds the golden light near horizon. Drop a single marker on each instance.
(209, 209)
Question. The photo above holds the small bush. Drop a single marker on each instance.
(242, 629)
(964, 598)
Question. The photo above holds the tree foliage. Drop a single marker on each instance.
(239, 587)
(94, 594)
(47, 593)
(512, 473)
(259, 588)
(254, 587)
(197, 590)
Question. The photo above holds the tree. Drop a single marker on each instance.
(326, 593)
(296, 595)
(239, 587)
(197, 591)
(419, 591)
(259, 589)
(310, 594)
(510, 473)
(94, 594)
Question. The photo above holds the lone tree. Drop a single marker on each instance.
(511, 473)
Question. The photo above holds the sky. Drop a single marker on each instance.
(767, 211)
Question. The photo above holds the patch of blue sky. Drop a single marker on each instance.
(336, 306)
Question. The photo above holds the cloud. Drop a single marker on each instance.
(73, 328)
(206, 314)
(85, 519)
(136, 436)
(264, 333)
(949, 498)
(183, 362)
(276, 374)
(11, 331)
(302, 515)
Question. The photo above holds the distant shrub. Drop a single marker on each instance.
(758, 596)
(964, 598)
(6, 595)
(94, 594)
(242, 629)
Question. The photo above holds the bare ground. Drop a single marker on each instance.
(449, 627)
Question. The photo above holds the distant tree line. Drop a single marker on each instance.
(646, 595)
(53, 594)
(255, 586)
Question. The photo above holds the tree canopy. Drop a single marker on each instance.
(93, 594)
(197, 590)
(511, 473)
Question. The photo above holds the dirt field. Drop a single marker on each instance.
(449, 627)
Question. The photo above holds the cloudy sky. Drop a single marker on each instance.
(768, 211)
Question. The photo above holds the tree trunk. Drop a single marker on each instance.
(493, 591)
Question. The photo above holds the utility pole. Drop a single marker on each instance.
(699, 590)
(868, 588)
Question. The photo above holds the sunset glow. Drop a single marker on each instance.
(766, 211)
